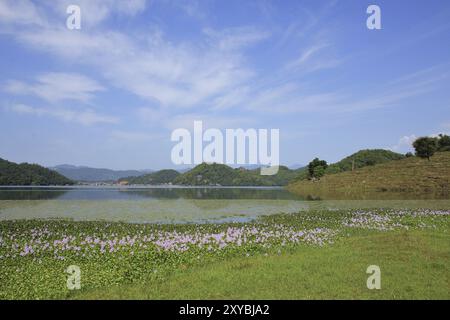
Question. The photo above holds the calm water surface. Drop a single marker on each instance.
(168, 204)
(145, 204)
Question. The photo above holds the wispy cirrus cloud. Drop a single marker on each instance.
(213, 72)
(85, 117)
(21, 12)
(173, 75)
(235, 38)
(55, 87)
(306, 55)
(95, 12)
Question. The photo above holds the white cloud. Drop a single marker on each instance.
(20, 12)
(87, 117)
(232, 98)
(306, 55)
(173, 74)
(211, 73)
(404, 144)
(55, 87)
(313, 58)
(235, 38)
(181, 75)
(192, 8)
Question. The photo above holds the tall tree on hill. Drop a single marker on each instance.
(425, 147)
(316, 168)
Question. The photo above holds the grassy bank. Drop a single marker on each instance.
(414, 265)
(407, 178)
(317, 254)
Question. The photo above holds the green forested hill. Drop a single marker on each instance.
(26, 174)
(363, 158)
(412, 175)
(360, 159)
(220, 174)
(154, 178)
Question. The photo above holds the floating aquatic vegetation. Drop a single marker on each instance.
(35, 253)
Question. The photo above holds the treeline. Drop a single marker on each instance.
(425, 147)
(159, 177)
(26, 174)
(214, 175)
(220, 174)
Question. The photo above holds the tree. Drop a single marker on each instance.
(316, 168)
(409, 155)
(443, 142)
(425, 147)
(319, 172)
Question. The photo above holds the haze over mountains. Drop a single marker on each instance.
(203, 174)
(87, 174)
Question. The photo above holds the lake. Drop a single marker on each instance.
(171, 204)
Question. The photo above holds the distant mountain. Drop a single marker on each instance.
(87, 174)
(296, 166)
(154, 178)
(26, 174)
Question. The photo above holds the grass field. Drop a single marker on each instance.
(408, 178)
(311, 255)
(414, 265)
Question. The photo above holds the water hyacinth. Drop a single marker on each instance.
(385, 220)
(39, 242)
(114, 253)
(59, 242)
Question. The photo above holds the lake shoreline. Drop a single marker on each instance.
(162, 186)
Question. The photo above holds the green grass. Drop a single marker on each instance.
(308, 255)
(408, 178)
(414, 265)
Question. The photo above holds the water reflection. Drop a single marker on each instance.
(30, 193)
(33, 193)
(174, 205)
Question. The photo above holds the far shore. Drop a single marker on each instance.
(140, 186)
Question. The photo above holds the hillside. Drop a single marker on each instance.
(409, 175)
(26, 174)
(88, 174)
(363, 158)
(220, 174)
(154, 178)
(360, 159)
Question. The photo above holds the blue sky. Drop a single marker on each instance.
(110, 94)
